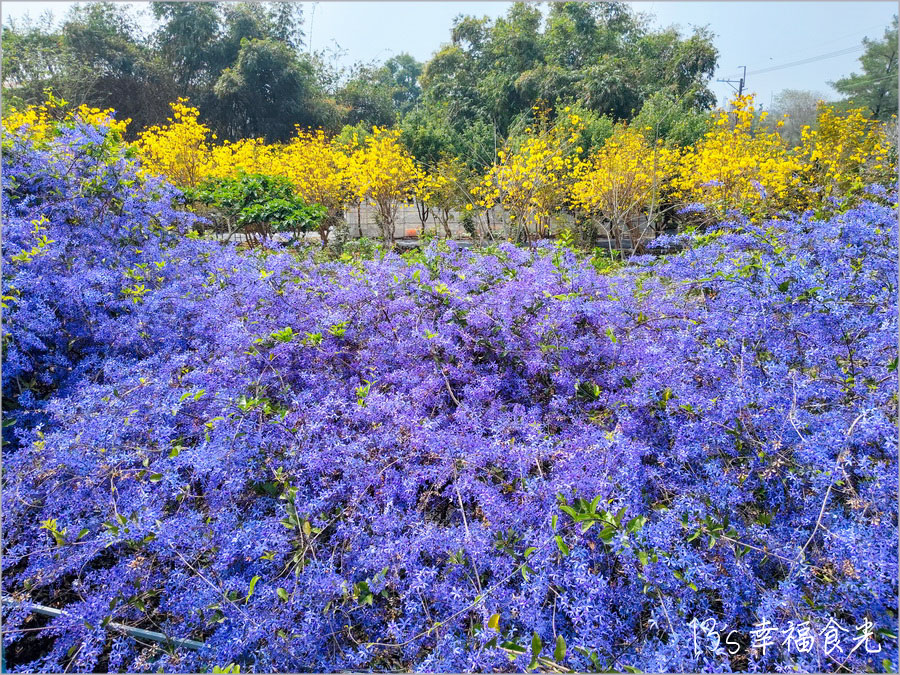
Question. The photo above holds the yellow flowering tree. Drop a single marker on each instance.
(318, 168)
(844, 153)
(530, 182)
(247, 155)
(622, 185)
(383, 173)
(180, 149)
(741, 165)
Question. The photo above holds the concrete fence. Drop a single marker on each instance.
(362, 223)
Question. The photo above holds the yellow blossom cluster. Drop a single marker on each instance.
(39, 123)
(184, 150)
(323, 172)
(379, 170)
(844, 153)
(249, 155)
(179, 150)
(317, 167)
(383, 173)
(739, 165)
(628, 177)
(530, 182)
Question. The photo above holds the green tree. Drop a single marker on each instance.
(402, 73)
(611, 85)
(672, 119)
(876, 86)
(105, 48)
(34, 59)
(268, 91)
(287, 23)
(242, 65)
(801, 109)
(450, 79)
(427, 134)
(570, 39)
(601, 56)
(187, 41)
(257, 205)
(96, 57)
(596, 128)
(368, 98)
(241, 21)
(679, 66)
(515, 48)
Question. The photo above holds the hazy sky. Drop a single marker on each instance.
(760, 35)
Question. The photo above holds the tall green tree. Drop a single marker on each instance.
(268, 91)
(106, 50)
(287, 23)
(367, 97)
(876, 87)
(378, 95)
(98, 57)
(402, 73)
(243, 66)
(187, 40)
(35, 59)
(451, 77)
(601, 56)
(428, 133)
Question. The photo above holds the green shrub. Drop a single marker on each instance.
(256, 205)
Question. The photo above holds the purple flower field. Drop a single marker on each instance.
(448, 460)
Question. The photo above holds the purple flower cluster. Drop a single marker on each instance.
(448, 461)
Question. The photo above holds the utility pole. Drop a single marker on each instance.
(740, 82)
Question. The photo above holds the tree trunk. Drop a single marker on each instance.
(424, 211)
(386, 215)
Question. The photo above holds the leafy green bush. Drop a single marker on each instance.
(256, 205)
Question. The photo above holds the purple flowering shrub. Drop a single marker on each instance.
(449, 461)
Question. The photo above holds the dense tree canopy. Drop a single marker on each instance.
(241, 64)
(268, 91)
(97, 57)
(367, 97)
(600, 55)
(876, 86)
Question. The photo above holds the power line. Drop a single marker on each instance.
(873, 79)
(811, 59)
(862, 31)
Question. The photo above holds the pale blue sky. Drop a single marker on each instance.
(760, 35)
